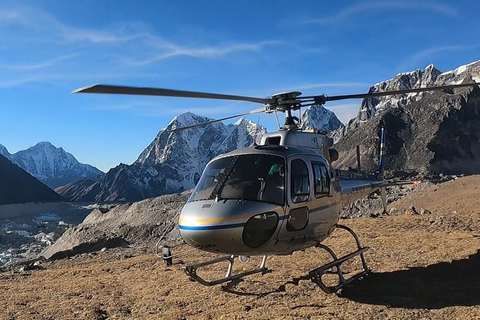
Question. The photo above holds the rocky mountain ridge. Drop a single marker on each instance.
(51, 165)
(427, 133)
(320, 118)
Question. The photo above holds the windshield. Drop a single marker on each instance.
(257, 177)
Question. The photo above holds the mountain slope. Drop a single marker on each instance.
(17, 186)
(53, 166)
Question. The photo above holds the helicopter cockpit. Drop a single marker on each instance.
(254, 177)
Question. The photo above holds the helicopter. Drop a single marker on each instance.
(276, 197)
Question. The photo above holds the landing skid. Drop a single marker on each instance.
(317, 274)
(191, 270)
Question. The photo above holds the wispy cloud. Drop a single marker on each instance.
(427, 56)
(147, 49)
(378, 6)
(428, 53)
(39, 65)
(171, 50)
(11, 83)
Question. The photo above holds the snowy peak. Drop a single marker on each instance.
(402, 81)
(51, 165)
(186, 119)
(320, 118)
(468, 72)
(430, 74)
(198, 142)
(4, 152)
(242, 134)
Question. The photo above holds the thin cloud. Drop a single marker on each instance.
(39, 65)
(428, 53)
(345, 14)
(13, 16)
(36, 19)
(99, 37)
(427, 56)
(172, 50)
(11, 83)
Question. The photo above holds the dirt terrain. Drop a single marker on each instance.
(425, 266)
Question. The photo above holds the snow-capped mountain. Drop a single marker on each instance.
(188, 151)
(320, 118)
(430, 76)
(51, 165)
(173, 162)
(427, 133)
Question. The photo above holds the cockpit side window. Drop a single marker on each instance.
(321, 179)
(300, 184)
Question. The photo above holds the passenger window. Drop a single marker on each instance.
(300, 182)
(321, 179)
(297, 219)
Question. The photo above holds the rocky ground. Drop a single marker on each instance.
(27, 229)
(425, 263)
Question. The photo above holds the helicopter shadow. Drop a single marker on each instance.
(231, 288)
(436, 286)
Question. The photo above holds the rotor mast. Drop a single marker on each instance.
(286, 102)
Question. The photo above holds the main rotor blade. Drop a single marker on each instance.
(102, 88)
(391, 93)
(218, 120)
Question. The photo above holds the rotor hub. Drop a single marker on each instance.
(284, 102)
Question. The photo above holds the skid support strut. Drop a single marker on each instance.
(317, 274)
(191, 270)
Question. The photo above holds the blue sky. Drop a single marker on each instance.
(254, 48)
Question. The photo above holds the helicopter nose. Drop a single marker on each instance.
(230, 234)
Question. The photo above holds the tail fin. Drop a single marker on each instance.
(381, 159)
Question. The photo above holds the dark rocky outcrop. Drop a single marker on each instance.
(18, 186)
